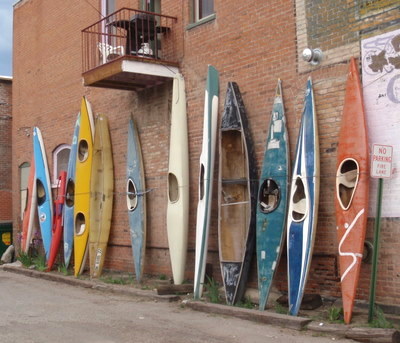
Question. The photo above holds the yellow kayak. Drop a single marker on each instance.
(82, 186)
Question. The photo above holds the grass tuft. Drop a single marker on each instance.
(25, 259)
(212, 289)
(245, 303)
(40, 262)
(63, 269)
(335, 315)
(379, 320)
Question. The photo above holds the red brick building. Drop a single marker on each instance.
(249, 42)
(6, 192)
(5, 149)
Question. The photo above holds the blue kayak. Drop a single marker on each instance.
(44, 198)
(272, 199)
(136, 199)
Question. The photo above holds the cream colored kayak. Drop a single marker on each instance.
(82, 186)
(101, 196)
(178, 182)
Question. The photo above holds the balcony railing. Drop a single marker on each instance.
(129, 34)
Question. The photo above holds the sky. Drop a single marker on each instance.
(6, 15)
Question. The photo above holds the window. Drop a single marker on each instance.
(60, 161)
(151, 6)
(107, 7)
(23, 186)
(202, 9)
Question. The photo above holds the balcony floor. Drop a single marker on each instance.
(131, 73)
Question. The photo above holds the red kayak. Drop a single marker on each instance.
(57, 229)
(352, 189)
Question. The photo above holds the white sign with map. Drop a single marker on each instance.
(381, 86)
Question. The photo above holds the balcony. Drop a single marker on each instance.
(129, 49)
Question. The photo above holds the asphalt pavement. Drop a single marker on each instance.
(35, 310)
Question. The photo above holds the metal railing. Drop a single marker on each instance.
(129, 33)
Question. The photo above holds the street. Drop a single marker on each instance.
(37, 310)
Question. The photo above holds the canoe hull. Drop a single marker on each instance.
(70, 196)
(303, 203)
(178, 182)
(101, 196)
(237, 191)
(82, 187)
(43, 191)
(272, 199)
(136, 199)
(206, 174)
(352, 189)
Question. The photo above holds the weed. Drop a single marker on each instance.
(40, 262)
(115, 281)
(212, 288)
(25, 259)
(335, 314)
(379, 320)
(280, 309)
(245, 303)
(63, 269)
(163, 277)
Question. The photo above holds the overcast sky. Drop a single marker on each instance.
(6, 14)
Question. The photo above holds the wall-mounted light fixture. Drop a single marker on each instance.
(312, 56)
(26, 130)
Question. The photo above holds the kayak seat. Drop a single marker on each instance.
(300, 206)
(348, 179)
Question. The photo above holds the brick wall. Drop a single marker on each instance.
(250, 42)
(338, 33)
(5, 150)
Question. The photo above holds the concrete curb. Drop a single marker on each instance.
(360, 334)
(130, 291)
(284, 321)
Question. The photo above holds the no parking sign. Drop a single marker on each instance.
(381, 164)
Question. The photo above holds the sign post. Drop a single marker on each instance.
(381, 167)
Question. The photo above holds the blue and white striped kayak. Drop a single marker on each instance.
(43, 190)
(70, 194)
(303, 203)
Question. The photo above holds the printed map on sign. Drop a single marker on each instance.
(381, 86)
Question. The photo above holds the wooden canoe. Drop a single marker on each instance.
(30, 210)
(272, 198)
(178, 182)
(136, 199)
(43, 190)
(352, 189)
(303, 203)
(237, 193)
(207, 157)
(70, 196)
(101, 196)
(57, 229)
(82, 187)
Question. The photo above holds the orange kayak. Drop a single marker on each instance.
(352, 189)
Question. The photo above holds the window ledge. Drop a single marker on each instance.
(202, 21)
